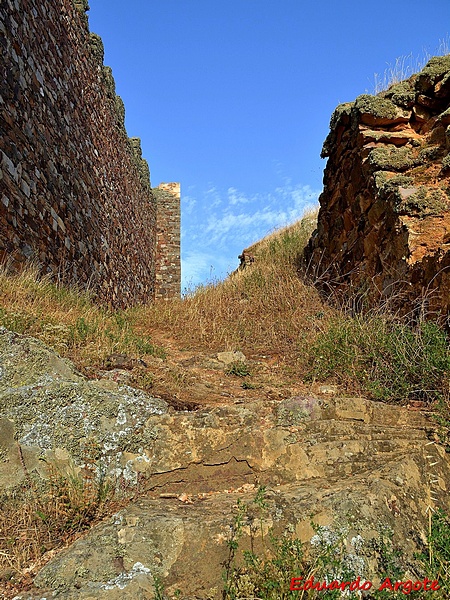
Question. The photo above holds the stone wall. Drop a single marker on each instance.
(384, 220)
(168, 265)
(75, 192)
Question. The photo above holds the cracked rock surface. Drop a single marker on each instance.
(332, 459)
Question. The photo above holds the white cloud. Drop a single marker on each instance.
(272, 210)
(194, 269)
(213, 196)
(188, 204)
(218, 225)
(236, 197)
(203, 267)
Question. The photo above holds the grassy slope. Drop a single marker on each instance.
(266, 308)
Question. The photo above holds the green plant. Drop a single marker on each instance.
(158, 588)
(236, 532)
(144, 345)
(388, 555)
(263, 575)
(239, 368)
(16, 321)
(436, 557)
(143, 379)
(81, 330)
(246, 385)
(389, 360)
(264, 571)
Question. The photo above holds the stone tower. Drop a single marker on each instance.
(167, 260)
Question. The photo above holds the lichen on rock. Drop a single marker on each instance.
(81, 5)
(401, 94)
(423, 202)
(109, 82)
(97, 48)
(374, 110)
(446, 164)
(52, 407)
(435, 69)
(391, 158)
(120, 111)
(381, 158)
(141, 163)
(304, 449)
(340, 116)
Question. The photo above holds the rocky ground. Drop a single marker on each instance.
(321, 456)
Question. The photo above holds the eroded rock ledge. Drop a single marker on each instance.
(348, 460)
(384, 220)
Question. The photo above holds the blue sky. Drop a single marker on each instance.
(232, 98)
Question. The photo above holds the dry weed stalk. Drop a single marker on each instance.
(41, 516)
(265, 306)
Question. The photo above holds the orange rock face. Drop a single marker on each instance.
(384, 222)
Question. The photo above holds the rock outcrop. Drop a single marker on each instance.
(384, 222)
(349, 460)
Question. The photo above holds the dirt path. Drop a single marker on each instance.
(190, 378)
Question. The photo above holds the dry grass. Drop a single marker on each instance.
(401, 69)
(405, 66)
(265, 307)
(38, 518)
(68, 320)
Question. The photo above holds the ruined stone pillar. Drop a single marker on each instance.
(168, 259)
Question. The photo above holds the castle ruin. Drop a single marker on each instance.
(75, 193)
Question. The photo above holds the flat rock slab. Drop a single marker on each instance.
(230, 357)
(332, 459)
(185, 545)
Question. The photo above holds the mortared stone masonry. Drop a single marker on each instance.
(75, 194)
(168, 265)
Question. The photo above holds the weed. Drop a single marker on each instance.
(238, 368)
(264, 575)
(389, 360)
(42, 515)
(265, 305)
(158, 588)
(68, 320)
(331, 555)
(81, 330)
(436, 558)
(233, 546)
(142, 379)
(388, 556)
(402, 68)
(15, 321)
(405, 66)
(246, 385)
(144, 345)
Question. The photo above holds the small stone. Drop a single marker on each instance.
(332, 390)
(406, 192)
(230, 357)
